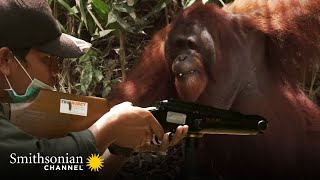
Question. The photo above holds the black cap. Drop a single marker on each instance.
(28, 24)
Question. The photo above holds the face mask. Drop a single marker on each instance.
(31, 91)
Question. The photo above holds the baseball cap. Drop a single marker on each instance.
(29, 24)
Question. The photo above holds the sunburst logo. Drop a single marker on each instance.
(95, 162)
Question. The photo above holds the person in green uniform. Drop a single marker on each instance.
(31, 46)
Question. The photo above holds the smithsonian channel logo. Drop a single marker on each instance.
(60, 163)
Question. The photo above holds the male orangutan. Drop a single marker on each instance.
(246, 57)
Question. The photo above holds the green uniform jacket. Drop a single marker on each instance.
(15, 144)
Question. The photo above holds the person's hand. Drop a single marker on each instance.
(180, 133)
(126, 126)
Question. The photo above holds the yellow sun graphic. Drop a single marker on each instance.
(95, 162)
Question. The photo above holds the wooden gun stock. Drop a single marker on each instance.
(53, 114)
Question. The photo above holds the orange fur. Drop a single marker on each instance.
(292, 25)
(285, 36)
(293, 31)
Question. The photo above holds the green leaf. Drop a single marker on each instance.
(95, 19)
(86, 77)
(49, 2)
(124, 25)
(105, 32)
(92, 27)
(101, 34)
(85, 57)
(133, 16)
(106, 91)
(83, 89)
(112, 17)
(65, 5)
(101, 7)
(98, 75)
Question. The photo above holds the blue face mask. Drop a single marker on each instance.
(31, 91)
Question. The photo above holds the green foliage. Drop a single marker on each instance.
(101, 17)
(118, 29)
(100, 22)
(92, 70)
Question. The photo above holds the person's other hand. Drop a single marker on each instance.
(180, 133)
